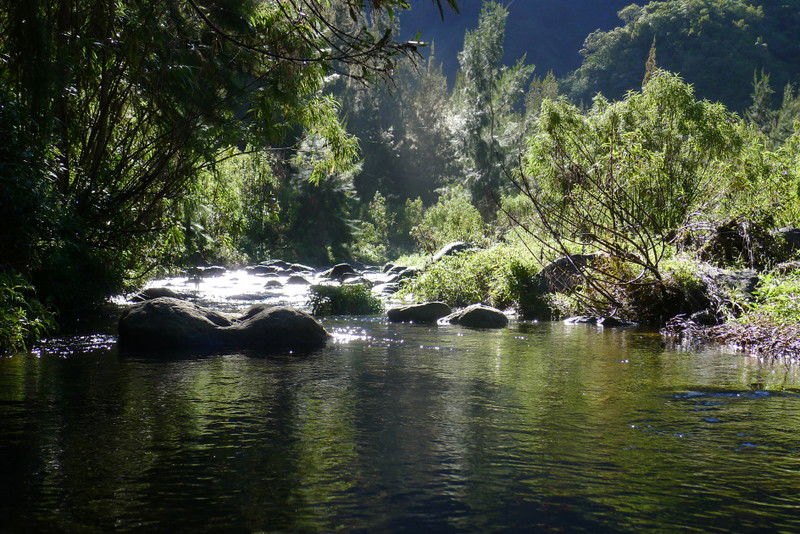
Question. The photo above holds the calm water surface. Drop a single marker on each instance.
(402, 428)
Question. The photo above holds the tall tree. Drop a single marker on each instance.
(485, 109)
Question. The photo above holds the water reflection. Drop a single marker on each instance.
(404, 428)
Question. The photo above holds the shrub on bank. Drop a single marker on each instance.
(494, 276)
(777, 301)
(23, 319)
(344, 300)
(644, 300)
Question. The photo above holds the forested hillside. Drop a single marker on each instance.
(715, 45)
(549, 33)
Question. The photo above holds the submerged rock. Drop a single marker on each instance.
(607, 322)
(478, 316)
(171, 323)
(429, 312)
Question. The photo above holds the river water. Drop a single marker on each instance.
(402, 428)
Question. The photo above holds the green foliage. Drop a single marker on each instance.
(115, 114)
(713, 44)
(23, 319)
(623, 176)
(760, 111)
(452, 218)
(401, 132)
(344, 300)
(777, 301)
(484, 118)
(495, 276)
(372, 238)
(647, 301)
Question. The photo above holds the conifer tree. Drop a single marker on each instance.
(650, 65)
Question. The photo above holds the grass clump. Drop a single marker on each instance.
(344, 300)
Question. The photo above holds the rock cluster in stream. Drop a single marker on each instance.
(169, 323)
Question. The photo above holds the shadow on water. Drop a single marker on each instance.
(402, 428)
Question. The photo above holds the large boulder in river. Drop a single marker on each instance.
(478, 316)
(429, 312)
(172, 323)
(169, 322)
(297, 280)
(276, 328)
(340, 272)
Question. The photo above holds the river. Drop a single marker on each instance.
(396, 427)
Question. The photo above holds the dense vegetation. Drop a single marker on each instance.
(144, 138)
(715, 45)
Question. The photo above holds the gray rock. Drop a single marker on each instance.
(478, 316)
(357, 281)
(214, 270)
(614, 322)
(300, 268)
(297, 280)
(563, 274)
(280, 264)
(273, 284)
(397, 269)
(339, 272)
(388, 267)
(409, 272)
(171, 323)
(261, 270)
(429, 312)
(450, 249)
(790, 237)
(277, 328)
(156, 292)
